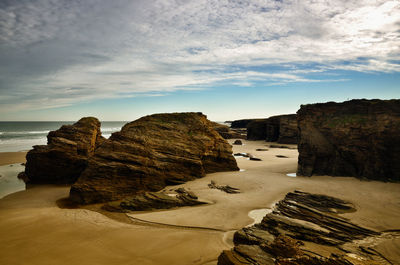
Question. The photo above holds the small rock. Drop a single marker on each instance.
(227, 188)
(262, 149)
(281, 156)
(237, 142)
(255, 159)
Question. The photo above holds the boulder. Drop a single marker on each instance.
(237, 142)
(150, 153)
(357, 138)
(65, 156)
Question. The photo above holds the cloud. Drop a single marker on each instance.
(56, 53)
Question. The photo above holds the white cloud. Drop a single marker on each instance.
(106, 49)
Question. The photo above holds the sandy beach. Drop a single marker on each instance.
(7, 158)
(34, 230)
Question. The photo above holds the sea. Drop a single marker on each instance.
(21, 136)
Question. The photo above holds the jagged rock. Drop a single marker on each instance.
(282, 129)
(65, 156)
(150, 153)
(299, 218)
(154, 200)
(226, 132)
(355, 138)
(237, 142)
(226, 188)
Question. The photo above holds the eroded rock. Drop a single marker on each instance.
(355, 138)
(65, 156)
(150, 153)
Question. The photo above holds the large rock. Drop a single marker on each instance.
(358, 138)
(150, 153)
(65, 156)
(241, 123)
(282, 129)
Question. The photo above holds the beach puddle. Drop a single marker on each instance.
(9, 183)
(292, 175)
(258, 214)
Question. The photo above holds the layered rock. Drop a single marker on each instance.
(241, 123)
(355, 138)
(150, 153)
(303, 228)
(65, 156)
(281, 129)
(228, 133)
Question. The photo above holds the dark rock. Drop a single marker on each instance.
(301, 217)
(282, 129)
(241, 123)
(261, 149)
(153, 200)
(281, 146)
(255, 158)
(281, 156)
(65, 156)
(355, 138)
(226, 188)
(237, 142)
(226, 132)
(150, 153)
(242, 154)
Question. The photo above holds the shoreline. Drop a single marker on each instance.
(92, 237)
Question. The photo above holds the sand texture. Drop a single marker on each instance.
(7, 158)
(34, 230)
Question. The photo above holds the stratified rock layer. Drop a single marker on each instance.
(65, 156)
(302, 229)
(281, 129)
(358, 138)
(150, 153)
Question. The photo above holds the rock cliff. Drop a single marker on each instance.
(150, 153)
(65, 156)
(282, 129)
(358, 138)
(226, 132)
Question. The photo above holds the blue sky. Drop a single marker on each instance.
(120, 60)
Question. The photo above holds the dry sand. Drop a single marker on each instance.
(35, 231)
(7, 158)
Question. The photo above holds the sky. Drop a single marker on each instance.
(123, 59)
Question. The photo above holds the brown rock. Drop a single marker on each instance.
(237, 142)
(355, 138)
(226, 132)
(151, 152)
(65, 156)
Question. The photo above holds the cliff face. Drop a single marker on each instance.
(241, 123)
(65, 156)
(150, 153)
(226, 132)
(282, 129)
(358, 138)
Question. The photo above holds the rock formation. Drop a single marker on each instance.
(241, 123)
(358, 138)
(281, 129)
(228, 133)
(292, 232)
(150, 153)
(65, 156)
(154, 200)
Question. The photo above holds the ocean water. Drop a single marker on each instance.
(21, 136)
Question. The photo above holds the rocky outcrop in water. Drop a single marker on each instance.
(65, 156)
(150, 153)
(281, 129)
(302, 229)
(358, 138)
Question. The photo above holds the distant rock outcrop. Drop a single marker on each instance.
(226, 132)
(358, 138)
(65, 156)
(241, 123)
(281, 129)
(150, 153)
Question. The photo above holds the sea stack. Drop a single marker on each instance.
(358, 138)
(65, 156)
(150, 153)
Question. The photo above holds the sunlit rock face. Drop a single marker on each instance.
(358, 138)
(65, 156)
(150, 153)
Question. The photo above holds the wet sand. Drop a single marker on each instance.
(35, 231)
(7, 158)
